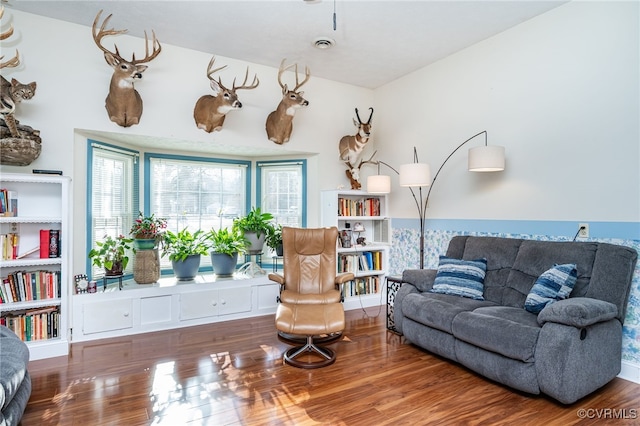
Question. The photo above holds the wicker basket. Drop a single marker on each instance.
(146, 268)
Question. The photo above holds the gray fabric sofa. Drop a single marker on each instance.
(15, 383)
(568, 350)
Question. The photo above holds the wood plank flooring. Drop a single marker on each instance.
(232, 373)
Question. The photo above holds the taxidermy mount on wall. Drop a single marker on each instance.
(211, 110)
(21, 145)
(351, 147)
(123, 103)
(280, 122)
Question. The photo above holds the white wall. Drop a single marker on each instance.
(560, 92)
(73, 81)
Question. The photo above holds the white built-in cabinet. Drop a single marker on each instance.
(361, 215)
(167, 304)
(43, 204)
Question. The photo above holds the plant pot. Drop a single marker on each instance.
(115, 271)
(144, 243)
(187, 269)
(224, 264)
(146, 267)
(279, 250)
(256, 244)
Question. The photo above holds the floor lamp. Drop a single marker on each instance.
(487, 158)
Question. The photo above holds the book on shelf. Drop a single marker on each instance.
(361, 286)
(49, 243)
(8, 202)
(9, 244)
(368, 206)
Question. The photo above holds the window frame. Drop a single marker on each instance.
(272, 163)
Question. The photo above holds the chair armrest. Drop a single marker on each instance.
(422, 279)
(578, 312)
(344, 277)
(277, 278)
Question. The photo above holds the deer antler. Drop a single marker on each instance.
(15, 61)
(253, 85)
(99, 35)
(281, 70)
(307, 75)
(211, 72)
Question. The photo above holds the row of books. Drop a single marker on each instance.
(361, 286)
(34, 324)
(358, 207)
(9, 244)
(26, 286)
(8, 202)
(49, 245)
(365, 261)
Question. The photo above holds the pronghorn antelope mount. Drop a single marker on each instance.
(280, 122)
(123, 103)
(351, 147)
(211, 110)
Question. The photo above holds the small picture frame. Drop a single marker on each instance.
(82, 284)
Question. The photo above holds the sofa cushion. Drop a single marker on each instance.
(508, 331)
(554, 284)
(460, 277)
(438, 310)
(14, 358)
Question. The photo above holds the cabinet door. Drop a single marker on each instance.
(234, 300)
(198, 304)
(106, 316)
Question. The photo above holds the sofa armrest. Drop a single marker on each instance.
(422, 279)
(578, 312)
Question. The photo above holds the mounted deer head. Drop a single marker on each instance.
(210, 111)
(352, 146)
(353, 171)
(123, 103)
(280, 122)
(15, 61)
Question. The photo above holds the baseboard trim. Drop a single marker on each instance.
(630, 372)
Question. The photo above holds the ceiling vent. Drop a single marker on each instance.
(324, 43)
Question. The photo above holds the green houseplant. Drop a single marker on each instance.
(225, 245)
(274, 239)
(148, 230)
(184, 250)
(255, 226)
(111, 254)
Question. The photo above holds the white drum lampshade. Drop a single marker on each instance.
(488, 158)
(415, 174)
(379, 184)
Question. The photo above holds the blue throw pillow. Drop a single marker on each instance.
(460, 277)
(553, 285)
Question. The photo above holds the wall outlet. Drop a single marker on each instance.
(583, 230)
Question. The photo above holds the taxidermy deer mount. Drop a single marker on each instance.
(280, 122)
(123, 103)
(351, 147)
(353, 171)
(211, 110)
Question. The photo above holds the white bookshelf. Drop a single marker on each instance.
(345, 209)
(43, 203)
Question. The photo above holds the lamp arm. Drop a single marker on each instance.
(447, 159)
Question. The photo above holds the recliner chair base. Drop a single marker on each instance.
(328, 356)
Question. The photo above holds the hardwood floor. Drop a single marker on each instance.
(232, 374)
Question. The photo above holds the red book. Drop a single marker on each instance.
(44, 244)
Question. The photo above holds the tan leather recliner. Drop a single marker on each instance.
(310, 292)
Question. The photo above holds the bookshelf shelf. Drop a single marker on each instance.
(43, 203)
(362, 215)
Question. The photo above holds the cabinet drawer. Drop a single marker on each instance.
(109, 315)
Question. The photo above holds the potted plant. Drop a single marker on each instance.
(255, 226)
(148, 231)
(184, 250)
(225, 245)
(274, 239)
(111, 254)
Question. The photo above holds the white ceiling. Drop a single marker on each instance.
(376, 41)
